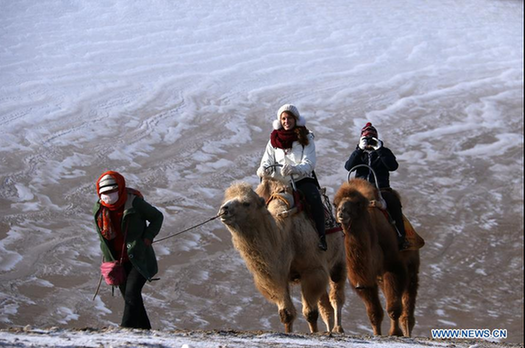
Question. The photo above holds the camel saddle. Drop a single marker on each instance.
(295, 204)
(415, 241)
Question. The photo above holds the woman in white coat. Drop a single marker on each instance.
(292, 145)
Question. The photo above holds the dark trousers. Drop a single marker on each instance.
(394, 208)
(313, 198)
(135, 315)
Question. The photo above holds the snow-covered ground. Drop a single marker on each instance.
(28, 337)
(179, 96)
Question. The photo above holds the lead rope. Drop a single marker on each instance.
(188, 229)
(160, 240)
(99, 282)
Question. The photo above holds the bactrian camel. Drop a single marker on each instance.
(373, 259)
(280, 250)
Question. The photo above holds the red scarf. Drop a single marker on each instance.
(108, 228)
(283, 139)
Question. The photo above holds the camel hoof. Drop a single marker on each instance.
(338, 329)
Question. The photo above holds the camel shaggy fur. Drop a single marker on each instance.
(280, 251)
(373, 259)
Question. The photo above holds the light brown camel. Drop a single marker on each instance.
(373, 259)
(283, 250)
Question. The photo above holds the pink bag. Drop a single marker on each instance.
(113, 272)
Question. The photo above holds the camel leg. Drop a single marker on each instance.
(392, 288)
(327, 311)
(280, 295)
(370, 296)
(313, 285)
(287, 312)
(407, 318)
(331, 306)
(337, 294)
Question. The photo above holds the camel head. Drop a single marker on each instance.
(350, 204)
(240, 203)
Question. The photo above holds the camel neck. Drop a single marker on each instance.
(258, 233)
(358, 232)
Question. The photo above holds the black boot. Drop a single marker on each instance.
(402, 243)
(322, 243)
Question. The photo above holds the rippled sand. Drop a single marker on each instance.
(179, 97)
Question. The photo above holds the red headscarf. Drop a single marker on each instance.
(122, 192)
(109, 212)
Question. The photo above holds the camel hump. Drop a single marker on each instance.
(378, 203)
(414, 240)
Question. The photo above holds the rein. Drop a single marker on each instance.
(278, 197)
(188, 229)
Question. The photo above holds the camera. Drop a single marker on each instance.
(370, 141)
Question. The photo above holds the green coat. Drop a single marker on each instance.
(136, 212)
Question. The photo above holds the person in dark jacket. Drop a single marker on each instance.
(370, 151)
(126, 225)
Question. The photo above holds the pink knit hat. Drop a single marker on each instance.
(369, 131)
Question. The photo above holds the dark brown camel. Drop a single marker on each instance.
(373, 259)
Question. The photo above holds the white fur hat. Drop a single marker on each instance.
(300, 120)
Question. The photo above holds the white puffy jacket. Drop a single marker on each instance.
(302, 157)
